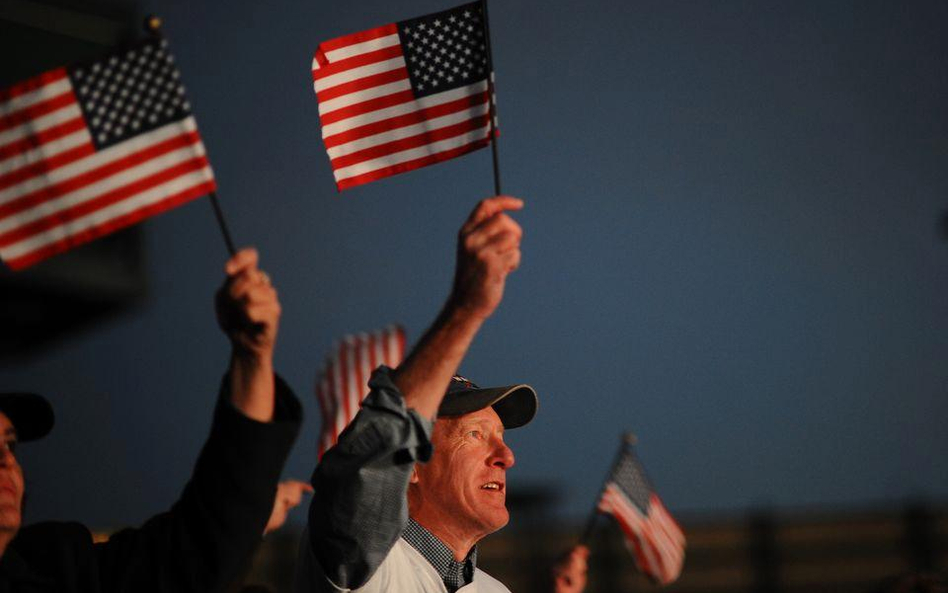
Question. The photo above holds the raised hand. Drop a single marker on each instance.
(247, 306)
(249, 312)
(289, 495)
(488, 250)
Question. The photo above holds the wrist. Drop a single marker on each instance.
(250, 357)
(460, 312)
(252, 386)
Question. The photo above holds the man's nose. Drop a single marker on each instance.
(502, 456)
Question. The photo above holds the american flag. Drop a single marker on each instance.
(90, 149)
(404, 95)
(342, 385)
(651, 534)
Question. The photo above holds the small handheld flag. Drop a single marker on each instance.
(90, 149)
(342, 385)
(651, 534)
(404, 95)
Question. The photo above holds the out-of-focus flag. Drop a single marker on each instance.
(651, 534)
(343, 383)
(90, 149)
(404, 95)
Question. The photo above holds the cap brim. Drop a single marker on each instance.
(515, 404)
(31, 414)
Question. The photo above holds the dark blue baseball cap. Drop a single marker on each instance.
(515, 404)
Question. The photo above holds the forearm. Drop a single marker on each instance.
(248, 311)
(488, 250)
(424, 376)
(251, 385)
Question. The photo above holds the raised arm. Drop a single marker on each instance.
(249, 313)
(359, 506)
(203, 542)
(488, 250)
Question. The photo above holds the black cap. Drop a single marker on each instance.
(515, 404)
(31, 414)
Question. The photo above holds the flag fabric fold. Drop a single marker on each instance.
(404, 95)
(89, 149)
(651, 533)
(343, 383)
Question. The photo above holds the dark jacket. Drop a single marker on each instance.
(198, 545)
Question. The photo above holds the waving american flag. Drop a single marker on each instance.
(651, 534)
(404, 95)
(89, 149)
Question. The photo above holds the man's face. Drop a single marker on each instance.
(11, 478)
(461, 492)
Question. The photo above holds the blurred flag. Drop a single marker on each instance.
(342, 385)
(90, 149)
(651, 534)
(404, 95)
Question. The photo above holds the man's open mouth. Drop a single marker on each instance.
(495, 486)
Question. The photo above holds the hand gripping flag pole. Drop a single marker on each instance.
(153, 27)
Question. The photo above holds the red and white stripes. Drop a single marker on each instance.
(342, 385)
(372, 124)
(655, 539)
(57, 191)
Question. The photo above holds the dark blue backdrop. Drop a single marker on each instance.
(732, 248)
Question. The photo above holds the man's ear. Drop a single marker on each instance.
(414, 475)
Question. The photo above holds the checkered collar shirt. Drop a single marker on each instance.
(454, 574)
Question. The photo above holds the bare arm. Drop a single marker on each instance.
(488, 250)
(249, 312)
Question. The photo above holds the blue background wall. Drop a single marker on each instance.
(732, 247)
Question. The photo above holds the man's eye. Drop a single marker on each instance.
(11, 446)
(476, 434)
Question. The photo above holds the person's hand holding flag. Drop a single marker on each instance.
(488, 250)
(249, 313)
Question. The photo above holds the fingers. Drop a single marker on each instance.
(488, 207)
(510, 261)
(248, 307)
(289, 496)
(488, 250)
(496, 234)
(241, 260)
(578, 558)
(488, 229)
(251, 289)
(292, 492)
(251, 286)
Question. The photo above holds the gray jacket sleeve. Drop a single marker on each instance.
(359, 507)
